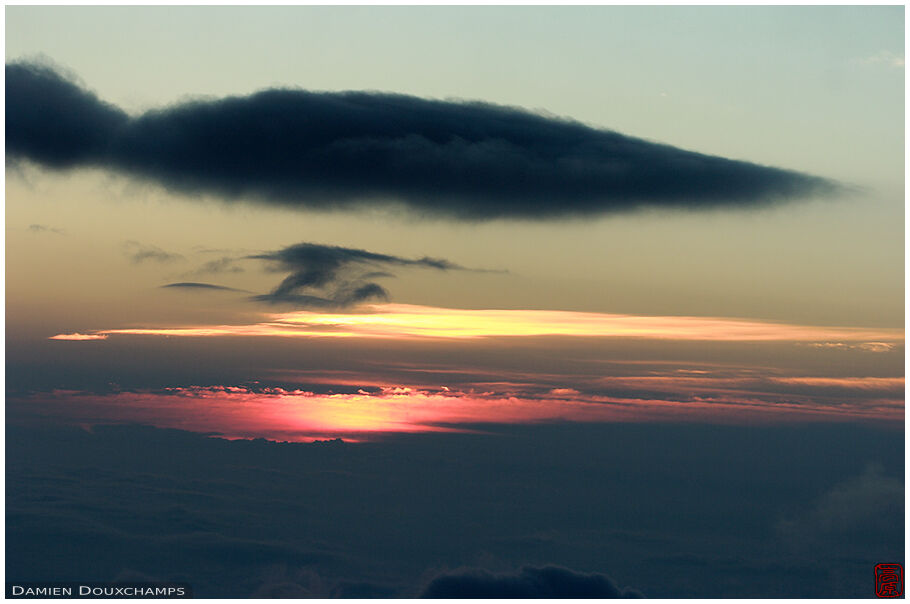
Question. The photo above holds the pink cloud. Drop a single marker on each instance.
(299, 415)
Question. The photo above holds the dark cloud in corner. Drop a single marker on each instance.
(340, 275)
(467, 160)
(529, 582)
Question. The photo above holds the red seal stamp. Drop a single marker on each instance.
(889, 580)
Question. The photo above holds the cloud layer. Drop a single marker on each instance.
(238, 518)
(402, 321)
(381, 519)
(338, 150)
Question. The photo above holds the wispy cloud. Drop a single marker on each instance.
(225, 264)
(864, 346)
(884, 57)
(191, 285)
(43, 228)
(140, 253)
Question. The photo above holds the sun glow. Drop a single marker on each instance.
(300, 415)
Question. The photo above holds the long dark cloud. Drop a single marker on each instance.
(529, 582)
(190, 285)
(341, 276)
(335, 150)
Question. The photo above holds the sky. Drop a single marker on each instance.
(405, 226)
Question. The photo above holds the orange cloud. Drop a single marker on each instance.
(860, 383)
(411, 321)
(299, 415)
(79, 336)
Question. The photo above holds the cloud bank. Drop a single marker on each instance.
(260, 518)
(467, 160)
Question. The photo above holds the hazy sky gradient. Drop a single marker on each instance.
(688, 402)
(814, 89)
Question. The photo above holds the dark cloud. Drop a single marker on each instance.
(43, 228)
(139, 253)
(55, 122)
(529, 582)
(284, 582)
(467, 160)
(201, 286)
(341, 273)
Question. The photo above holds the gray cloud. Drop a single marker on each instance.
(341, 274)
(140, 253)
(225, 264)
(43, 228)
(467, 160)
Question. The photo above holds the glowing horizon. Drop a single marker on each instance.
(298, 415)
